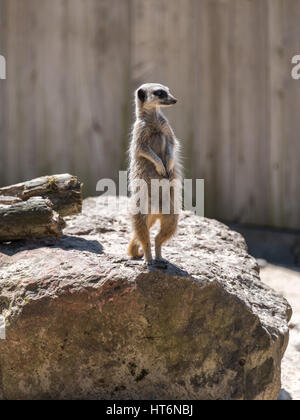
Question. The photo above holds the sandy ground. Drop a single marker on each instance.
(287, 282)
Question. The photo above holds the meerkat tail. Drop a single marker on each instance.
(134, 249)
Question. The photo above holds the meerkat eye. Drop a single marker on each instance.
(160, 93)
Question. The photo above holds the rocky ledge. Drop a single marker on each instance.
(84, 321)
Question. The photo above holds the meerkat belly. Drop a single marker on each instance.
(158, 145)
(146, 170)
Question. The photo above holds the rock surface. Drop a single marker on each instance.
(83, 321)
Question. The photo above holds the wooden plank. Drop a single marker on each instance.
(67, 91)
(163, 51)
(278, 73)
(212, 152)
(3, 95)
(291, 125)
(251, 157)
(224, 67)
(204, 140)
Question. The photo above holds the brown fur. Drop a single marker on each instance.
(154, 154)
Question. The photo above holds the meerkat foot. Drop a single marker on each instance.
(134, 251)
(148, 264)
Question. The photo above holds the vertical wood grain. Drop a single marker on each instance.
(72, 67)
(67, 90)
(291, 106)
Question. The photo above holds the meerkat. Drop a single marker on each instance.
(154, 154)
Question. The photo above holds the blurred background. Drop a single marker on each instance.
(72, 67)
(67, 106)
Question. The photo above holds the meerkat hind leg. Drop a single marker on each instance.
(134, 249)
(141, 230)
(167, 229)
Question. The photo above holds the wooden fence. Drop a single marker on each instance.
(72, 66)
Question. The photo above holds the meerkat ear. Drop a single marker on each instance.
(141, 95)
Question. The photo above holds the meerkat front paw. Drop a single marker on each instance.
(170, 174)
(170, 169)
(161, 170)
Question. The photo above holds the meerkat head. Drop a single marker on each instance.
(153, 95)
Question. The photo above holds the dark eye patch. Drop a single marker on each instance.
(142, 95)
(160, 93)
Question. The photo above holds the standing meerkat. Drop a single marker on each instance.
(154, 155)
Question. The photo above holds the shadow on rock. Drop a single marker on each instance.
(169, 268)
(284, 396)
(66, 243)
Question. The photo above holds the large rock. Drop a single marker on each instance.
(83, 321)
